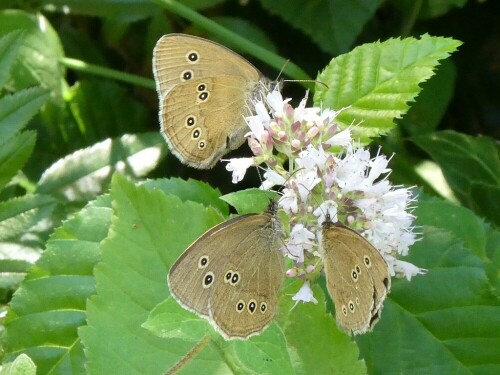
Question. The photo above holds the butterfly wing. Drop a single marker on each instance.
(177, 54)
(246, 302)
(189, 277)
(203, 119)
(357, 277)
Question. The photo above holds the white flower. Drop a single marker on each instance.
(306, 182)
(300, 239)
(342, 138)
(239, 167)
(312, 157)
(276, 102)
(305, 294)
(289, 201)
(271, 178)
(408, 270)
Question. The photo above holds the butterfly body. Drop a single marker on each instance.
(232, 274)
(358, 278)
(205, 91)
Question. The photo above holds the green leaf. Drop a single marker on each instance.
(37, 62)
(340, 21)
(9, 47)
(429, 8)
(15, 154)
(168, 320)
(191, 190)
(449, 316)
(17, 109)
(22, 365)
(377, 80)
(333, 351)
(87, 173)
(129, 11)
(250, 200)
(470, 166)
(19, 214)
(426, 113)
(150, 229)
(49, 306)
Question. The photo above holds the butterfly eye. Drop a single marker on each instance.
(201, 87)
(240, 305)
(368, 262)
(354, 275)
(344, 310)
(196, 133)
(351, 307)
(190, 121)
(203, 96)
(357, 301)
(192, 57)
(203, 262)
(263, 307)
(186, 75)
(208, 280)
(358, 270)
(252, 305)
(202, 144)
(235, 278)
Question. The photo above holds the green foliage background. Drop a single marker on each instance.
(94, 209)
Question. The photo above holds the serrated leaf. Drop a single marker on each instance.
(449, 316)
(37, 62)
(340, 21)
(466, 161)
(49, 306)
(377, 80)
(485, 200)
(15, 154)
(9, 47)
(150, 229)
(17, 109)
(86, 173)
(18, 215)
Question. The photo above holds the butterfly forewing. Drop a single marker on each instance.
(171, 59)
(247, 301)
(187, 276)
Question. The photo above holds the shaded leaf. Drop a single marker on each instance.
(17, 109)
(340, 21)
(15, 154)
(37, 62)
(470, 166)
(376, 81)
(9, 47)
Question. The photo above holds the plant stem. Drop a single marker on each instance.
(276, 61)
(82, 66)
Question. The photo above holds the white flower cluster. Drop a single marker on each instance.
(348, 185)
